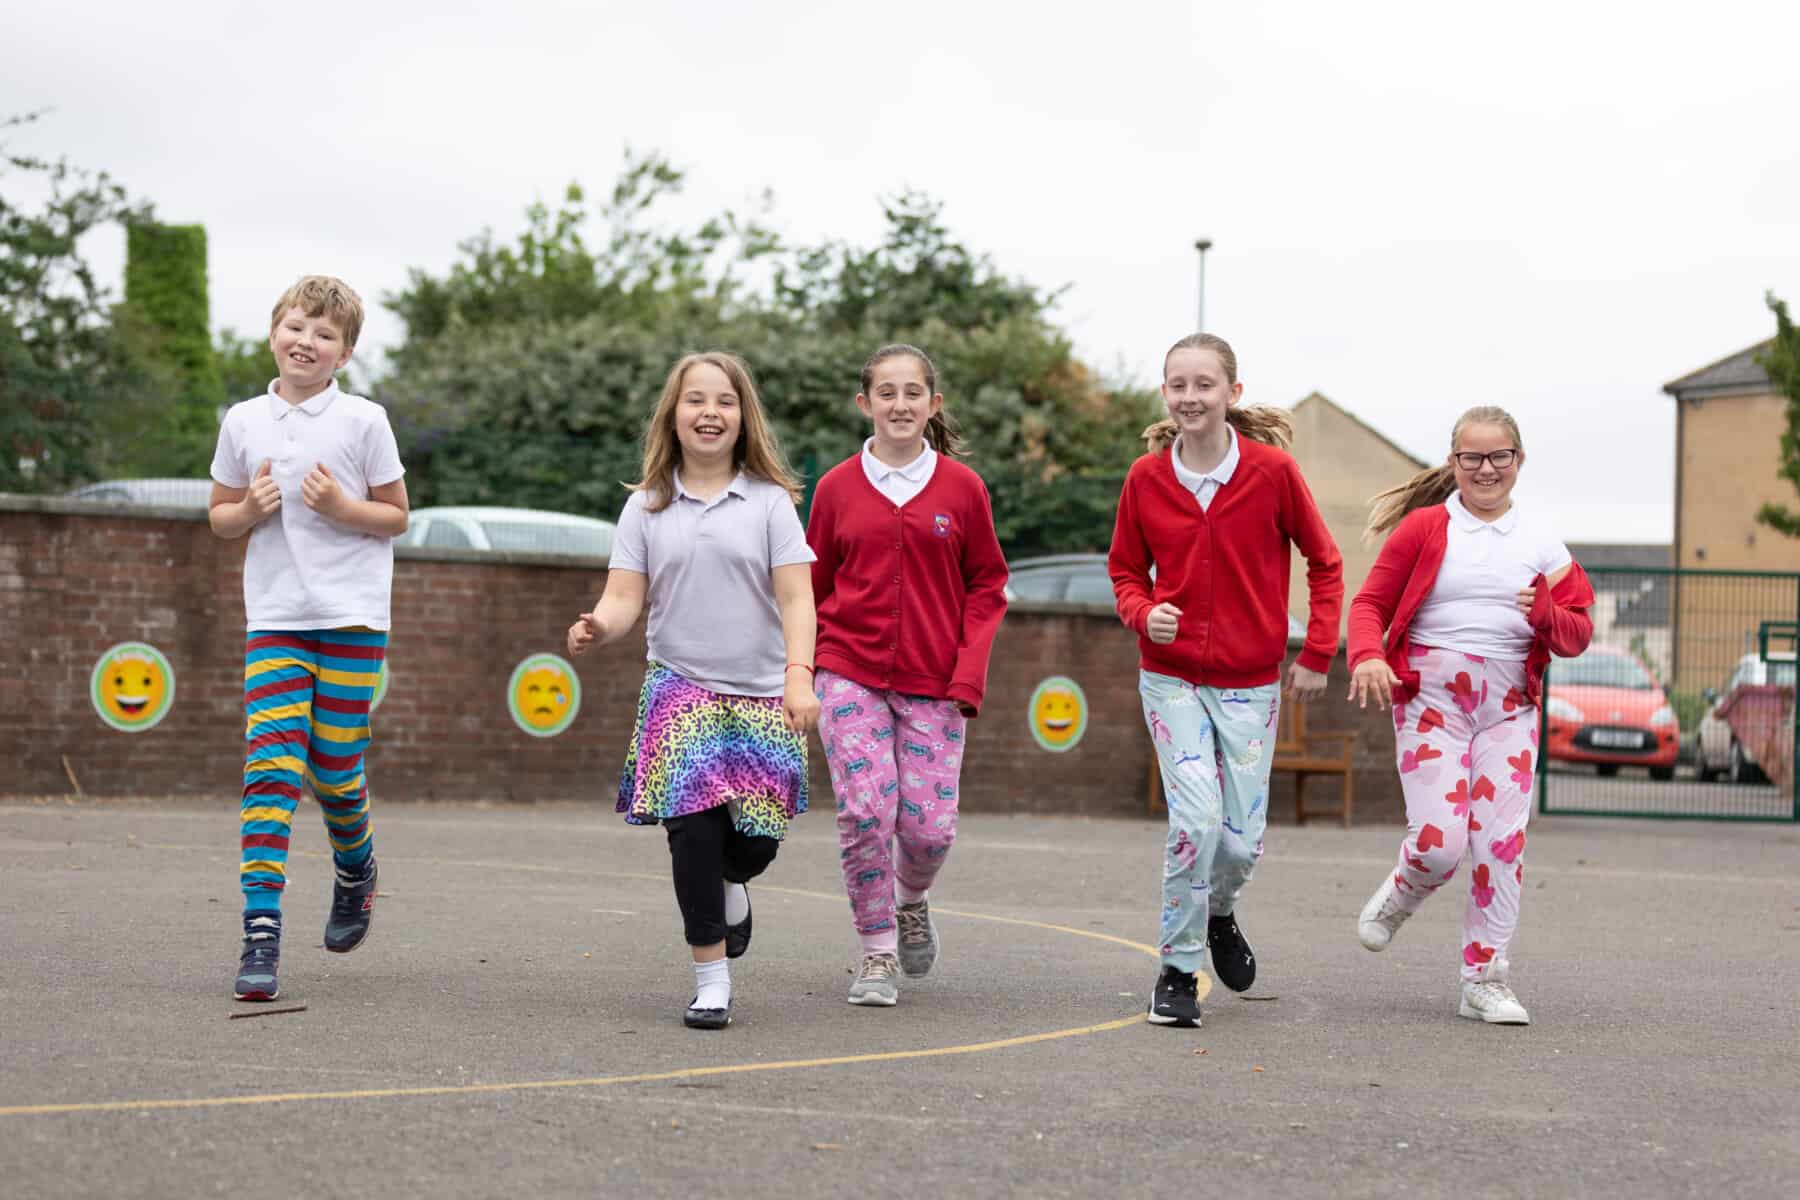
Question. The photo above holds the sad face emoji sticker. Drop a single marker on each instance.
(544, 695)
(132, 687)
(1058, 713)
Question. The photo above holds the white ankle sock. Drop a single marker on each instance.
(712, 984)
(737, 903)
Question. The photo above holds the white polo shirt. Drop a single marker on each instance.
(302, 570)
(1206, 486)
(1473, 607)
(713, 617)
(899, 484)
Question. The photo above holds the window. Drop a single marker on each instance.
(1605, 670)
(444, 535)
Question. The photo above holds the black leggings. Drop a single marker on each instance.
(707, 849)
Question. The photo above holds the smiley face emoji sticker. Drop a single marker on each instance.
(544, 695)
(1058, 713)
(132, 687)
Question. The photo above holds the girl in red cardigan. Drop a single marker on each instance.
(1213, 508)
(1473, 595)
(910, 586)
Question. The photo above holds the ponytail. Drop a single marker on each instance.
(945, 437)
(1259, 422)
(1387, 509)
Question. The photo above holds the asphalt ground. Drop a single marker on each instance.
(513, 1024)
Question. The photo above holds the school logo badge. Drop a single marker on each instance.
(940, 525)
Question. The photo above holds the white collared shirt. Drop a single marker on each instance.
(713, 619)
(1473, 607)
(1206, 486)
(899, 484)
(302, 570)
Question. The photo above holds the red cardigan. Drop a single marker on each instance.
(909, 597)
(1402, 578)
(1225, 568)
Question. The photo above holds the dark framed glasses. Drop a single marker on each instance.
(1469, 460)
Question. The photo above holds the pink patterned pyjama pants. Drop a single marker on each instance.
(895, 761)
(1466, 746)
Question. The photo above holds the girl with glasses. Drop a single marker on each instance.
(1472, 595)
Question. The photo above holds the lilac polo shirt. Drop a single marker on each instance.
(713, 618)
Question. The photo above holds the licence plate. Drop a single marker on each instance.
(1618, 739)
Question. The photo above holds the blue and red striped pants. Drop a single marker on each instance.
(306, 705)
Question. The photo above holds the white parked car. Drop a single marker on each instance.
(1720, 753)
(147, 493)
(515, 530)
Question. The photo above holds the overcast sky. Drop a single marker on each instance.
(1415, 207)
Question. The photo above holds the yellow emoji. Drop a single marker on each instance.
(132, 687)
(544, 695)
(1058, 713)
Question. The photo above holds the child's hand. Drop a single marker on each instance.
(264, 496)
(799, 707)
(1526, 596)
(1373, 677)
(587, 629)
(321, 491)
(1304, 683)
(1161, 624)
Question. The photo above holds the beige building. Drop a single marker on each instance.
(1729, 418)
(1344, 462)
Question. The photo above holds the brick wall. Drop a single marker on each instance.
(73, 583)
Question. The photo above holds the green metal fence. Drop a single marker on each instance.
(1683, 705)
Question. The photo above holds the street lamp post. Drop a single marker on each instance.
(1202, 245)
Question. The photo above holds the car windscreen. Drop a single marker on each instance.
(1603, 670)
(526, 536)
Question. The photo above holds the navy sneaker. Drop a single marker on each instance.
(257, 968)
(737, 937)
(1176, 1000)
(1231, 958)
(352, 907)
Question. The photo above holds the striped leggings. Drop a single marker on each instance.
(306, 704)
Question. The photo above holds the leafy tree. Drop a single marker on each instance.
(166, 291)
(1782, 361)
(67, 370)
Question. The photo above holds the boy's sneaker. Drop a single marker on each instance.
(918, 938)
(737, 937)
(1382, 916)
(257, 968)
(875, 982)
(1489, 999)
(352, 906)
(1176, 1000)
(1231, 958)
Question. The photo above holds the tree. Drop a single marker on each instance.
(166, 291)
(1782, 361)
(529, 368)
(65, 365)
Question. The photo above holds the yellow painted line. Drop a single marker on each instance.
(474, 1089)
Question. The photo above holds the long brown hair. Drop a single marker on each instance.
(1433, 486)
(757, 453)
(940, 431)
(1258, 422)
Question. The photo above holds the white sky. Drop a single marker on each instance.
(1416, 207)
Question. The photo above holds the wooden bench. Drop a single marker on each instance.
(1304, 755)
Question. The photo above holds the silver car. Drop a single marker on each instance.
(1720, 753)
(508, 530)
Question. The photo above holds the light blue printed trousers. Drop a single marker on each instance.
(1214, 746)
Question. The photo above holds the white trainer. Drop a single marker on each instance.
(1489, 999)
(1382, 916)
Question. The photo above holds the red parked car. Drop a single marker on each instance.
(1605, 708)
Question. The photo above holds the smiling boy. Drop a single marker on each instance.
(313, 476)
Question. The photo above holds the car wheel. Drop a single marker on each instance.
(1704, 773)
(1662, 774)
(1606, 770)
(1742, 770)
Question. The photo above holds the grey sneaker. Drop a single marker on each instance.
(875, 982)
(918, 938)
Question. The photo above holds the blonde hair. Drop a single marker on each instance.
(1258, 422)
(323, 296)
(1433, 486)
(940, 430)
(757, 453)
